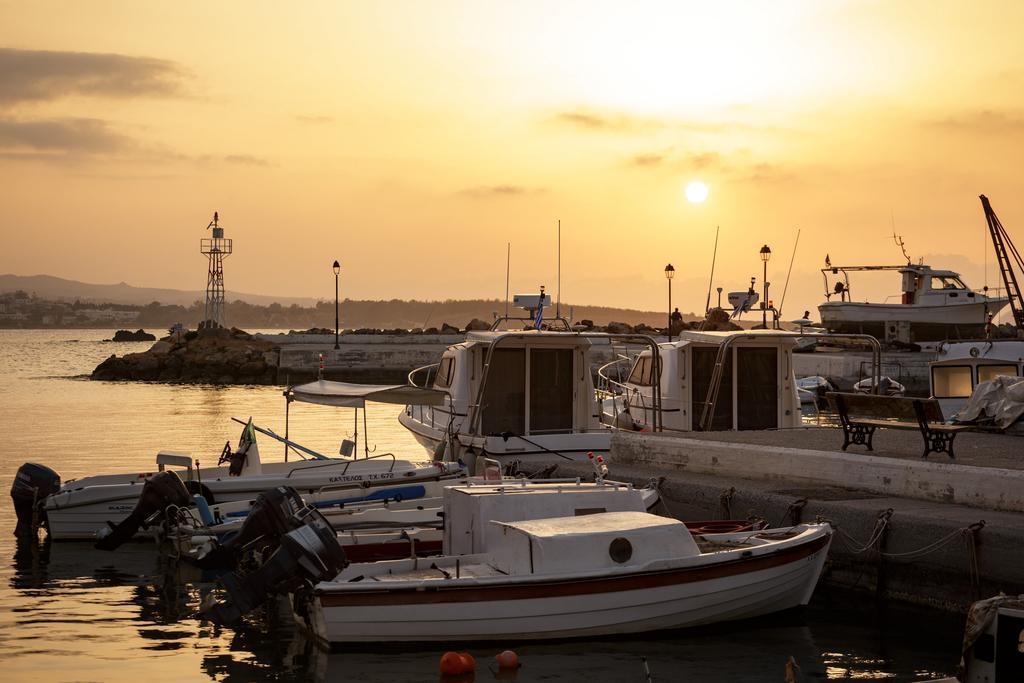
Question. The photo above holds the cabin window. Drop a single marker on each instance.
(551, 391)
(642, 373)
(504, 396)
(951, 381)
(945, 282)
(987, 372)
(443, 378)
(703, 359)
(757, 388)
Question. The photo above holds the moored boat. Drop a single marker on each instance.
(602, 574)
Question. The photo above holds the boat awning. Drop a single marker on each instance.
(348, 395)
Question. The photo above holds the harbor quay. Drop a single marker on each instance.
(910, 540)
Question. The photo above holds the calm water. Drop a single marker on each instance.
(69, 613)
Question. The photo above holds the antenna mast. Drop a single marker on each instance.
(789, 272)
(216, 249)
(714, 256)
(558, 299)
(508, 265)
(1005, 251)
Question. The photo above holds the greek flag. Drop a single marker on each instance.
(540, 312)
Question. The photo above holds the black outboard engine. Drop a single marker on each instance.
(275, 513)
(308, 555)
(32, 484)
(161, 491)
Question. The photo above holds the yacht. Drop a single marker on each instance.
(961, 366)
(754, 387)
(934, 305)
(522, 395)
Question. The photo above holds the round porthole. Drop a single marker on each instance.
(975, 352)
(620, 550)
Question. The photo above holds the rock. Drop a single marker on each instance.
(253, 367)
(161, 348)
(448, 329)
(619, 328)
(476, 324)
(587, 324)
(431, 330)
(129, 336)
(271, 357)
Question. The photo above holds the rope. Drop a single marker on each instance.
(724, 502)
(967, 533)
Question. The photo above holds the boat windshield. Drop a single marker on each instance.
(946, 282)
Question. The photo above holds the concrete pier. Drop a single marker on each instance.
(931, 549)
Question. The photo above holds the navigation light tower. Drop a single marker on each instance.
(216, 249)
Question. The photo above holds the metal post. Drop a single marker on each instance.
(670, 309)
(764, 303)
(336, 315)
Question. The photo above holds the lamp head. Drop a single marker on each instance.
(670, 271)
(337, 267)
(766, 253)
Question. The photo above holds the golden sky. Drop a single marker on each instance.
(413, 140)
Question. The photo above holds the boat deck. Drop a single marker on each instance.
(979, 449)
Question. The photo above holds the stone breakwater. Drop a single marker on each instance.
(209, 357)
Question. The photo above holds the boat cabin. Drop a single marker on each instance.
(511, 393)
(961, 366)
(469, 509)
(601, 542)
(756, 388)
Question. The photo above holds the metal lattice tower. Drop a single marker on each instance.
(216, 249)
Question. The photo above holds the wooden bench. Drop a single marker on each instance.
(861, 414)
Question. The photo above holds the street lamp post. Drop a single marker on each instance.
(337, 270)
(766, 254)
(669, 274)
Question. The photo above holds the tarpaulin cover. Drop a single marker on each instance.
(348, 395)
(1000, 400)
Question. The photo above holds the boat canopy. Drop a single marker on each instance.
(349, 395)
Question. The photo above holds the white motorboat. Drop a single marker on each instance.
(887, 386)
(513, 395)
(960, 367)
(755, 388)
(813, 389)
(566, 577)
(80, 507)
(934, 305)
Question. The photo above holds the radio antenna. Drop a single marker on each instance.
(714, 256)
(558, 294)
(508, 265)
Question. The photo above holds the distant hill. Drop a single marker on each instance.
(257, 310)
(60, 289)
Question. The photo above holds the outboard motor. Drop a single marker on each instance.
(32, 484)
(307, 555)
(275, 513)
(161, 491)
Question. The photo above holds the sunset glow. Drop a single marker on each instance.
(380, 133)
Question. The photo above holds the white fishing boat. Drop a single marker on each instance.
(708, 381)
(933, 305)
(80, 507)
(566, 577)
(961, 366)
(513, 396)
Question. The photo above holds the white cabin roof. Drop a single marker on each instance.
(717, 337)
(609, 540)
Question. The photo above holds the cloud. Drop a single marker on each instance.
(673, 161)
(613, 122)
(490, 191)
(65, 135)
(246, 160)
(39, 75)
(983, 122)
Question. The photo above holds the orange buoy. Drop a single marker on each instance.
(451, 664)
(507, 660)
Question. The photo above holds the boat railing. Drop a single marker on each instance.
(420, 413)
(348, 464)
(616, 390)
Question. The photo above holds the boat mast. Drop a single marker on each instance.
(1005, 249)
(714, 255)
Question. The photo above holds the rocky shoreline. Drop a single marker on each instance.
(215, 356)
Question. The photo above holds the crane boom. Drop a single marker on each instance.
(1006, 255)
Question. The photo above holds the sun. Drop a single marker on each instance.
(696, 192)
